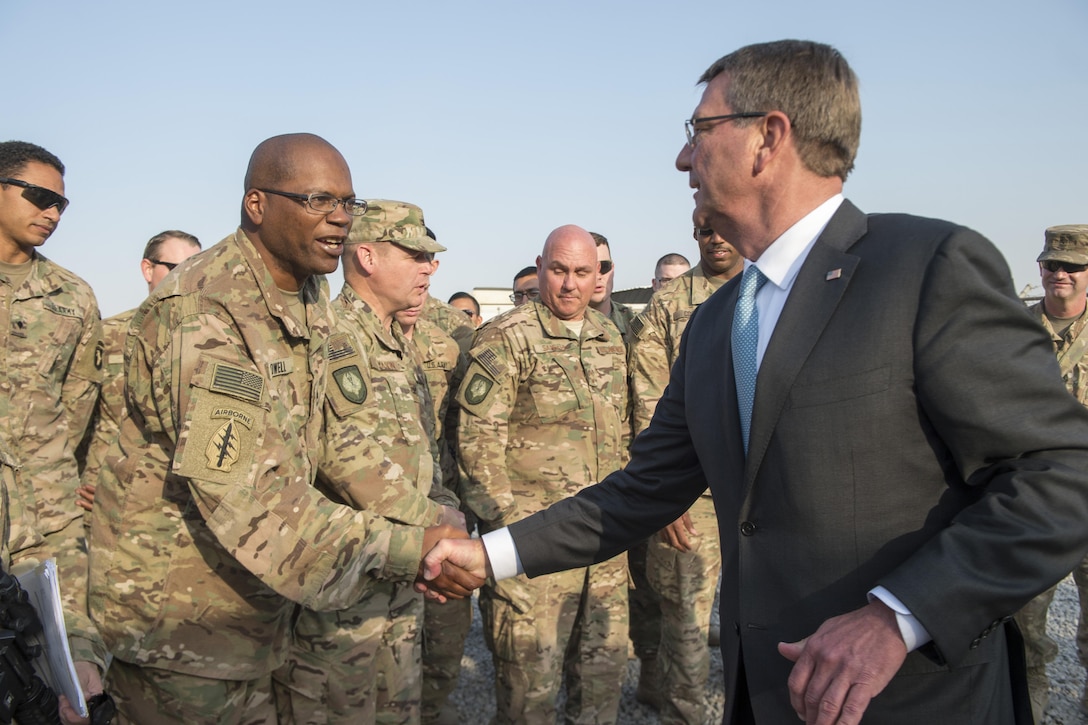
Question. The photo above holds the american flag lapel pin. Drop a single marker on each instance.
(834, 274)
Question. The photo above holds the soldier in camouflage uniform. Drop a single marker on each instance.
(543, 415)
(445, 626)
(362, 664)
(601, 300)
(208, 533)
(163, 252)
(683, 561)
(450, 320)
(467, 304)
(1063, 313)
(50, 371)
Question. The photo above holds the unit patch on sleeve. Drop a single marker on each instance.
(351, 384)
(477, 389)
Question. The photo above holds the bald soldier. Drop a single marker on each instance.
(208, 534)
(543, 415)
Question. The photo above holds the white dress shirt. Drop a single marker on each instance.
(779, 263)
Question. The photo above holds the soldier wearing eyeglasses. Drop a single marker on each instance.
(526, 288)
(208, 535)
(544, 415)
(1063, 313)
(50, 372)
(163, 252)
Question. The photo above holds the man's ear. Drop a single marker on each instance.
(253, 207)
(776, 134)
(146, 267)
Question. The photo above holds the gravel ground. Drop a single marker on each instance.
(475, 696)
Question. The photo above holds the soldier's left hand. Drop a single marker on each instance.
(90, 679)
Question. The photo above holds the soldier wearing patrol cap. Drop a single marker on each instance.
(544, 415)
(362, 664)
(1063, 313)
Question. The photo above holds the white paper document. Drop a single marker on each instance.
(55, 666)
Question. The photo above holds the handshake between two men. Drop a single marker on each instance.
(454, 567)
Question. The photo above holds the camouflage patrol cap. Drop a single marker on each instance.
(393, 221)
(1066, 243)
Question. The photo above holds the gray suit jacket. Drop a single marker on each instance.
(910, 429)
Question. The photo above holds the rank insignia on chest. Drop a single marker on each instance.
(18, 328)
(350, 382)
(477, 389)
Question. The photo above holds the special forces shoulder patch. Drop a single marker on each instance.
(99, 355)
(478, 388)
(225, 445)
(351, 383)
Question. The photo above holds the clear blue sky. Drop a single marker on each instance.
(505, 120)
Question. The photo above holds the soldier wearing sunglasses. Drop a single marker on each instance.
(619, 313)
(1063, 313)
(50, 371)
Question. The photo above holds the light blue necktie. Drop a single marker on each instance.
(745, 340)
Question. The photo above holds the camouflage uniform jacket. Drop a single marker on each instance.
(379, 448)
(50, 372)
(1077, 379)
(654, 340)
(442, 362)
(451, 320)
(106, 422)
(207, 529)
(622, 316)
(543, 412)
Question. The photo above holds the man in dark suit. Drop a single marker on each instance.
(905, 480)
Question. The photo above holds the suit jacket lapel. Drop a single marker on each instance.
(811, 303)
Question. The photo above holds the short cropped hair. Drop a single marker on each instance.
(599, 239)
(470, 298)
(15, 155)
(672, 258)
(155, 243)
(809, 82)
(527, 272)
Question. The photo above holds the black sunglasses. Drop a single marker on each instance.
(169, 265)
(39, 196)
(606, 266)
(1052, 265)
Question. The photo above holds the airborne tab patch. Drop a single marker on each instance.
(237, 383)
(350, 382)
